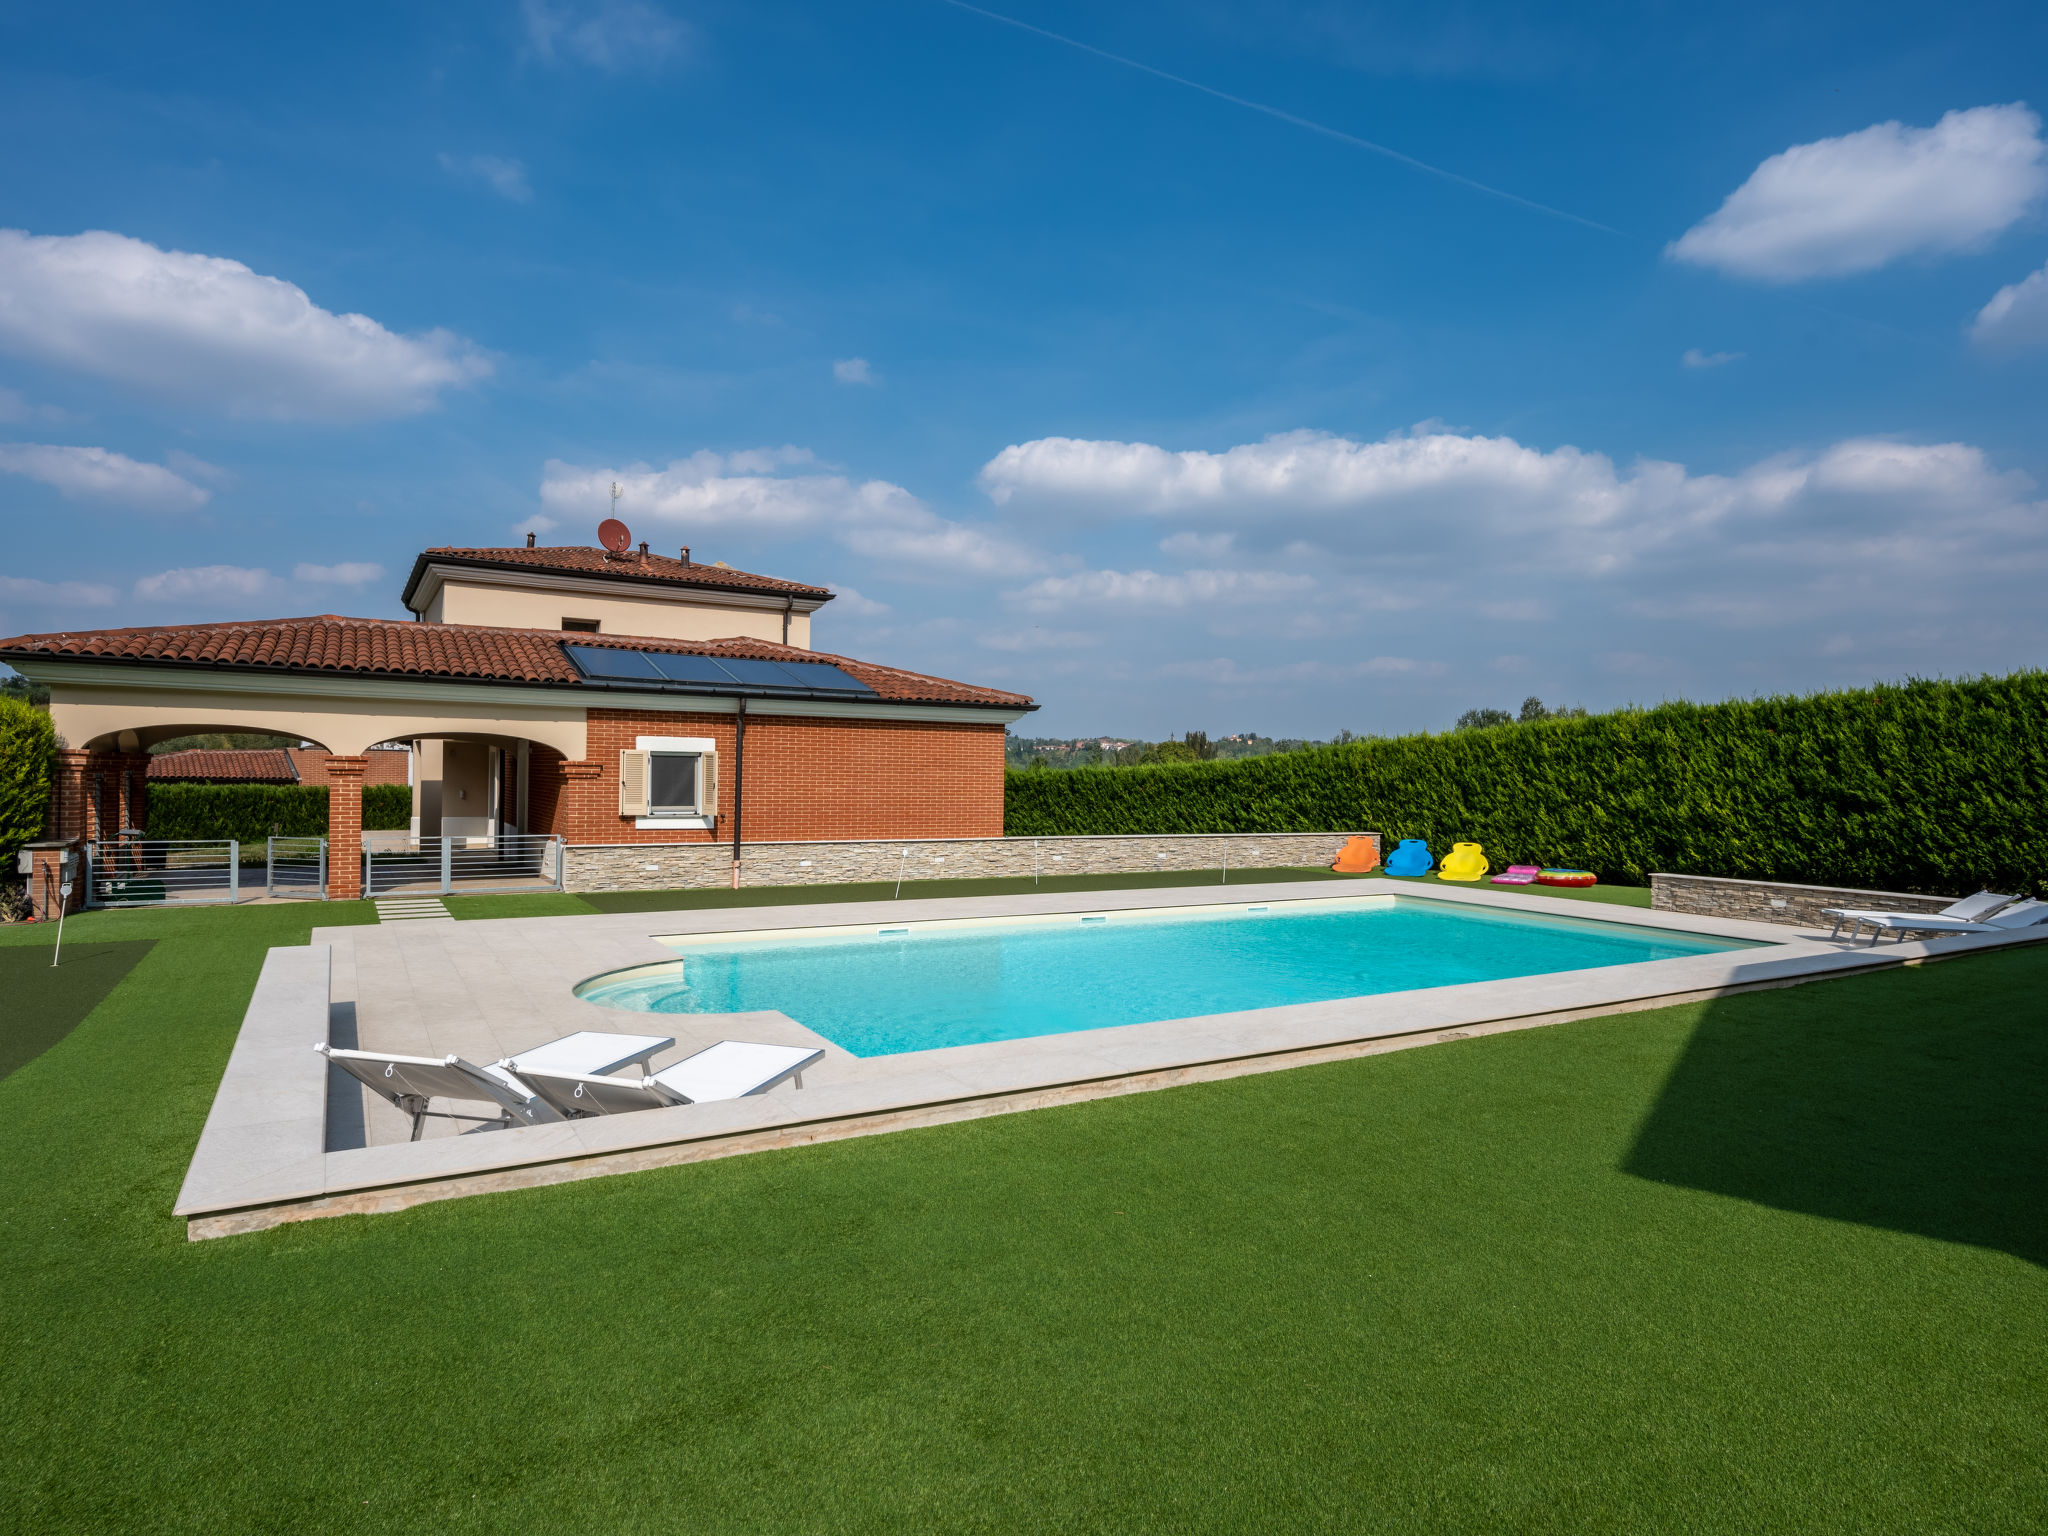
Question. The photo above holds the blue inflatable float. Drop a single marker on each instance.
(1410, 859)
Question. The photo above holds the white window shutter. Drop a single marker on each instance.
(634, 771)
(707, 784)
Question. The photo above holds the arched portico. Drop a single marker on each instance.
(135, 717)
(108, 724)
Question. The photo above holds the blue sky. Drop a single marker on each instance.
(1074, 378)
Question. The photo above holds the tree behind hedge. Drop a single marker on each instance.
(1918, 786)
(28, 758)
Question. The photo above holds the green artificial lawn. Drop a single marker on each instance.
(46, 1001)
(1771, 1263)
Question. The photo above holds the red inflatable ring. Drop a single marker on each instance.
(1567, 877)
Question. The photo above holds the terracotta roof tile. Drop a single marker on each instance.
(328, 643)
(244, 766)
(579, 560)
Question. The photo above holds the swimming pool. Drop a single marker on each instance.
(878, 991)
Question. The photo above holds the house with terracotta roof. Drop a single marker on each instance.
(610, 699)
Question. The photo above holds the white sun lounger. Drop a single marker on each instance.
(411, 1082)
(731, 1069)
(1971, 909)
(2021, 914)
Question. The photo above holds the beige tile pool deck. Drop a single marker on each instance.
(288, 1141)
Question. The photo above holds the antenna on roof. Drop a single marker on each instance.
(613, 534)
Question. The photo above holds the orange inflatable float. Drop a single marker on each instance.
(1359, 856)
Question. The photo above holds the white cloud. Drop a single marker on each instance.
(1038, 638)
(2017, 315)
(17, 409)
(505, 177)
(853, 370)
(847, 600)
(1153, 591)
(214, 581)
(350, 573)
(94, 474)
(1441, 517)
(205, 330)
(193, 467)
(1695, 358)
(615, 35)
(1198, 546)
(740, 494)
(1854, 203)
(66, 594)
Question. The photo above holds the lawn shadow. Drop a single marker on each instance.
(44, 1003)
(1914, 1100)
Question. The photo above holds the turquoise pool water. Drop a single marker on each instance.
(876, 992)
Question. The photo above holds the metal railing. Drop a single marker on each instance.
(297, 867)
(155, 872)
(451, 865)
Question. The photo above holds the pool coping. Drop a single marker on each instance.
(261, 1160)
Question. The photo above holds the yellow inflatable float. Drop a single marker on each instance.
(1465, 861)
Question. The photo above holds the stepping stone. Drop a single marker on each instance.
(405, 909)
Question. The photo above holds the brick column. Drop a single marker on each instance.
(588, 808)
(73, 785)
(45, 881)
(345, 827)
(135, 791)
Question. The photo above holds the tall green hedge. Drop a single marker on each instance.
(28, 755)
(246, 812)
(1922, 786)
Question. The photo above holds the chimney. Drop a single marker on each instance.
(529, 541)
(686, 554)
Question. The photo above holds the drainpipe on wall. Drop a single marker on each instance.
(787, 604)
(739, 786)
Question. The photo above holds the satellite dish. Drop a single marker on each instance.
(615, 535)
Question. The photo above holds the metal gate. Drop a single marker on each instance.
(157, 872)
(297, 867)
(453, 865)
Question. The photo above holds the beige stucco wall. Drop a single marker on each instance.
(695, 618)
(465, 789)
(111, 717)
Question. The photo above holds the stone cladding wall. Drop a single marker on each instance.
(1772, 901)
(639, 867)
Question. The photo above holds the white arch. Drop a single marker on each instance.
(130, 715)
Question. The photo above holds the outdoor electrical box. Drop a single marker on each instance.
(25, 864)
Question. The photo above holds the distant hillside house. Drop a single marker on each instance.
(604, 698)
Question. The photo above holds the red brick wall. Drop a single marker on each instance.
(806, 779)
(385, 767)
(544, 791)
(345, 827)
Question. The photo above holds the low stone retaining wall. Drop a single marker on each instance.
(1775, 901)
(656, 866)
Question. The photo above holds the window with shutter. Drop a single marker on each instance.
(633, 785)
(672, 784)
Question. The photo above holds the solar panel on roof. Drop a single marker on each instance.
(629, 666)
(740, 674)
(758, 674)
(821, 674)
(690, 669)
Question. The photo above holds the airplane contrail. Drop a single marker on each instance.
(1288, 117)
